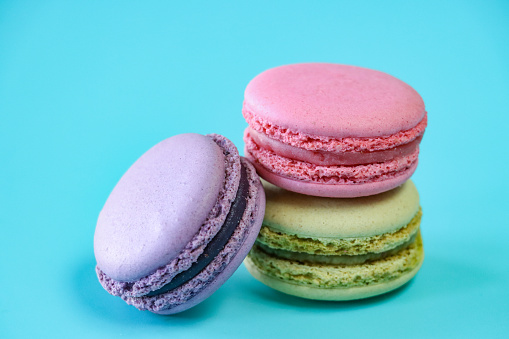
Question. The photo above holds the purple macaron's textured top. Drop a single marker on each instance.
(302, 101)
(190, 233)
(158, 206)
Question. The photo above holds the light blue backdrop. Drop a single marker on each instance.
(87, 86)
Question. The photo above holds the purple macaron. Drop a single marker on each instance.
(178, 223)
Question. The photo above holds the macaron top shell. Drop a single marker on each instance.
(158, 206)
(318, 217)
(338, 101)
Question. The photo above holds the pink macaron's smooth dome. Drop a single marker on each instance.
(331, 100)
(158, 206)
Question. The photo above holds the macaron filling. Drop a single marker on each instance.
(328, 174)
(333, 259)
(327, 158)
(319, 275)
(215, 246)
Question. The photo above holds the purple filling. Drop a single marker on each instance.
(218, 242)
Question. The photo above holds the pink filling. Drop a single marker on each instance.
(329, 144)
(305, 171)
(330, 158)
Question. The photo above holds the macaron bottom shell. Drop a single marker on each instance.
(352, 281)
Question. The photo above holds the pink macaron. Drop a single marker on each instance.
(333, 130)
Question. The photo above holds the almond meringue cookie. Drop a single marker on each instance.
(178, 223)
(332, 130)
(338, 249)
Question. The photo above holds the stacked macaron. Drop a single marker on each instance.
(336, 145)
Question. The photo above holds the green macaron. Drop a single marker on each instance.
(338, 249)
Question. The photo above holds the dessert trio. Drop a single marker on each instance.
(334, 217)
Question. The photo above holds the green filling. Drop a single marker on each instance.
(339, 276)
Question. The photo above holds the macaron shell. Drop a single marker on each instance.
(152, 212)
(336, 190)
(329, 249)
(317, 217)
(192, 251)
(312, 98)
(328, 174)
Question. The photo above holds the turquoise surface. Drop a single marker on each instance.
(87, 86)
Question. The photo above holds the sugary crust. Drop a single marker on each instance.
(348, 246)
(318, 102)
(194, 248)
(317, 217)
(331, 144)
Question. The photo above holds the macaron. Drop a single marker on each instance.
(178, 223)
(338, 249)
(333, 130)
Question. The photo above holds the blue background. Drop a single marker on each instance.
(86, 87)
